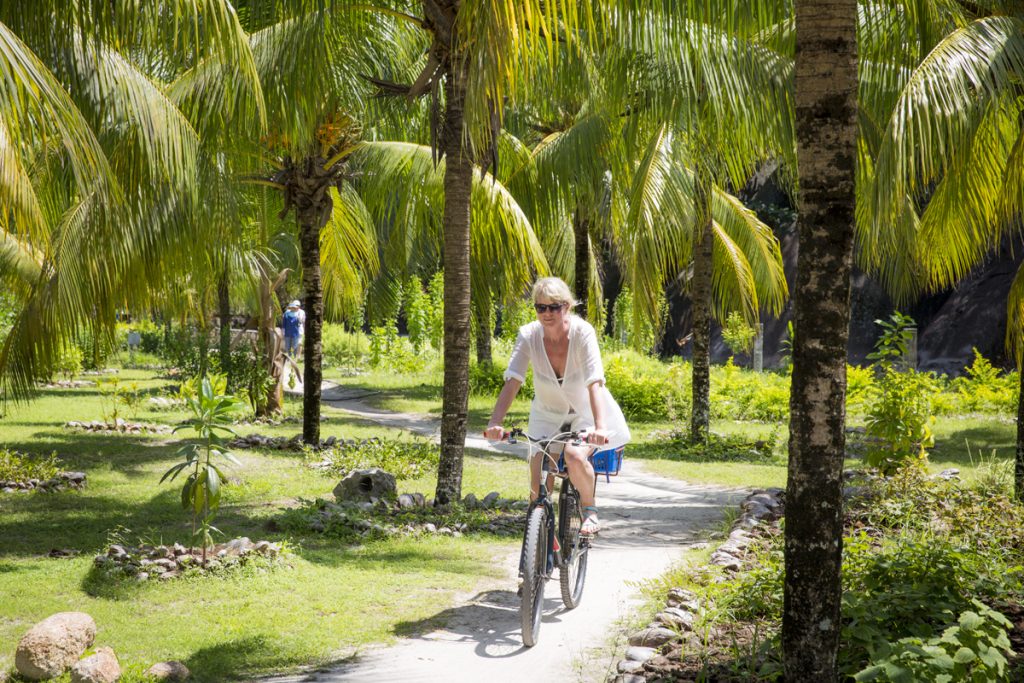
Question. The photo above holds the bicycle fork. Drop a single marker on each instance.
(552, 560)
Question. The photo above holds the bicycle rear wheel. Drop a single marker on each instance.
(535, 551)
(573, 572)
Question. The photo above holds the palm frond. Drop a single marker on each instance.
(760, 249)
(348, 253)
(734, 287)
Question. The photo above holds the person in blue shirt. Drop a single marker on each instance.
(294, 320)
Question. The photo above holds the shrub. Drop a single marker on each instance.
(740, 394)
(899, 418)
(486, 379)
(404, 459)
(435, 291)
(973, 649)
(211, 414)
(642, 335)
(391, 352)
(983, 388)
(737, 334)
(185, 350)
(645, 388)
(69, 363)
(249, 377)
(419, 314)
(859, 384)
(15, 466)
(899, 408)
(344, 349)
(514, 316)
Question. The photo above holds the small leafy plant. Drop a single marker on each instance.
(974, 649)
(891, 346)
(899, 415)
(69, 363)
(212, 410)
(737, 334)
(16, 466)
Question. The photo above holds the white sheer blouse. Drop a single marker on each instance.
(556, 403)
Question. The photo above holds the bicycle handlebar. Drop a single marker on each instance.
(575, 438)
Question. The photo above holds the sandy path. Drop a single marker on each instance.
(647, 523)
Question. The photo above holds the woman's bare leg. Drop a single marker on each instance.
(581, 472)
(535, 465)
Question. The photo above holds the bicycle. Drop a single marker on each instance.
(540, 555)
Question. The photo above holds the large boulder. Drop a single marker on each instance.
(366, 485)
(100, 667)
(54, 644)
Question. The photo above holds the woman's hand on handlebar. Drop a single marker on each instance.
(495, 433)
(596, 437)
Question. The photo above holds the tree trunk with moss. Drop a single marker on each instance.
(700, 298)
(312, 344)
(224, 313)
(826, 121)
(307, 186)
(484, 331)
(581, 233)
(1018, 469)
(458, 180)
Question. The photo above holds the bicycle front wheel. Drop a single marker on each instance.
(573, 571)
(535, 551)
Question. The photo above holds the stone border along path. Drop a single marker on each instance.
(647, 524)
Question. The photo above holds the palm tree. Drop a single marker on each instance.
(626, 160)
(474, 54)
(87, 215)
(723, 82)
(826, 120)
(944, 184)
(299, 49)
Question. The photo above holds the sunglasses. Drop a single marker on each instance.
(544, 308)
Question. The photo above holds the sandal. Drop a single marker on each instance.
(590, 526)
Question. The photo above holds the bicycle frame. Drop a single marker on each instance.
(540, 447)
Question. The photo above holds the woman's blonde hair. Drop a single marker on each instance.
(555, 289)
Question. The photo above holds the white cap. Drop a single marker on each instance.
(295, 304)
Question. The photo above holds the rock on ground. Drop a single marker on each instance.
(101, 667)
(169, 671)
(366, 485)
(54, 644)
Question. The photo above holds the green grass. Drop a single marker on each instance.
(250, 622)
(243, 624)
(421, 393)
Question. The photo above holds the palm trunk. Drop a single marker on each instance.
(581, 231)
(700, 296)
(484, 331)
(204, 342)
(826, 115)
(224, 313)
(270, 345)
(1018, 470)
(313, 304)
(458, 180)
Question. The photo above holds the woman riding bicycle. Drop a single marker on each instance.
(569, 390)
